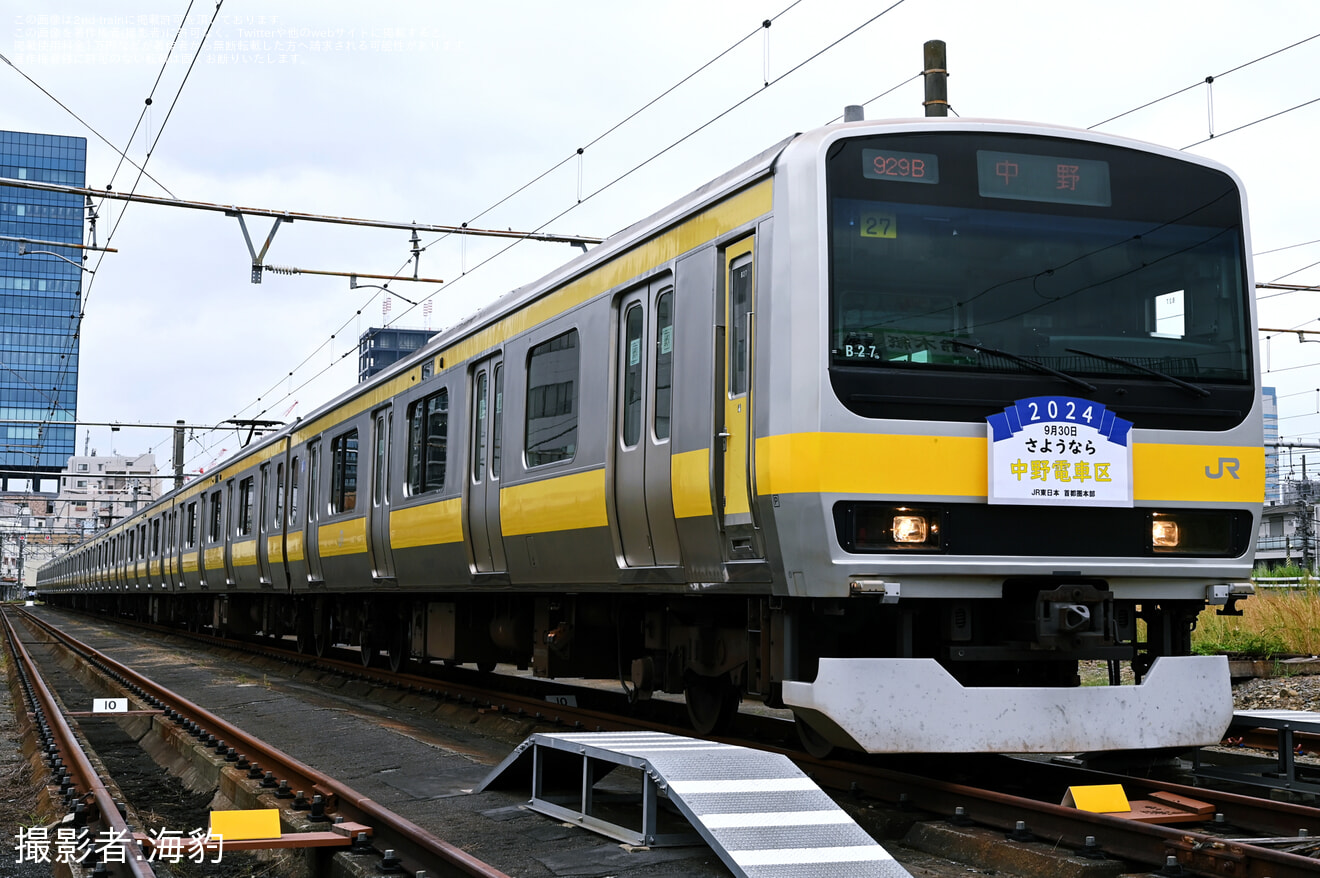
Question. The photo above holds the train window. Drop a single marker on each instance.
(740, 303)
(263, 515)
(155, 536)
(293, 491)
(216, 530)
(632, 376)
(279, 496)
(380, 483)
(192, 524)
(497, 421)
(479, 427)
(245, 498)
(313, 479)
(132, 544)
(664, 362)
(552, 397)
(343, 474)
(428, 430)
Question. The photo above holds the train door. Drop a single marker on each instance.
(263, 526)
(643, 502)
(733, 410)
(196, 511)
(485, 538)
(378, 512)
(311, 538)
(227, 532)
(211, 558)
(279, 558)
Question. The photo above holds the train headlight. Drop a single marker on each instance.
(875, 527)
(1164, 533)
(908, 528)
(1208, 533)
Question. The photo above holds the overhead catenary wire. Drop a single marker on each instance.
(87, 290)
(633, 115)
(761, 88)
(99, 136)
(146, 104)
(1256, 122)
(1204, 81)
(576, 154)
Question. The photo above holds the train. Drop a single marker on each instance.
(897, 426)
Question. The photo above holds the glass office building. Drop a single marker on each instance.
(380, 348)
(40, 297)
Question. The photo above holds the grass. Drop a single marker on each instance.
(1275, 621)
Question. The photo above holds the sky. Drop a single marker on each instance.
(442, 112)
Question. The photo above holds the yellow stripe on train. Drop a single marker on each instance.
(955, 466)
(568, 502)
(428, 524)
(348, 537)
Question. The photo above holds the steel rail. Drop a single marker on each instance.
(414, 845)
(1199, 852)
(80, 767)
(1266, 816)
(1202, 853)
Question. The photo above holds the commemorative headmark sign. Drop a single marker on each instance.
(1060, 451)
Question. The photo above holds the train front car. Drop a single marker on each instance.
(1033, 438)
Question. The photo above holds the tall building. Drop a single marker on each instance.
(1270, 400)
(40, 298)
(378, 349)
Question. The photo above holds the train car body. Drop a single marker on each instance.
(892, 425)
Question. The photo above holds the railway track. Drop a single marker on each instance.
(368, 826)
(1020, 802)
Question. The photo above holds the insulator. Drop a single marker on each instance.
(282, 269)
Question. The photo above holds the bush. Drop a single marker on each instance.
(1236, 641)
(1275, 621)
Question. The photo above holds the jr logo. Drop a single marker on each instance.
(1226, 465)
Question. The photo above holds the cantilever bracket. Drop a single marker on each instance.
(257, 258)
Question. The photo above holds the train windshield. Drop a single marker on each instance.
(1016, 258)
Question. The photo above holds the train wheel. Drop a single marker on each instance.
(397, 649)
(367, 643)
(321, 628)
(812, 741)
(486, 667)
(303, 630)
(712, 703)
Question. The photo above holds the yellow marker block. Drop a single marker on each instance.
(240, 825)
(1098, 799)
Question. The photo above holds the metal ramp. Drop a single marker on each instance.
(757, 811)
(1286, 774)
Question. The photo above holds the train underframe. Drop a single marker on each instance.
(717, 650)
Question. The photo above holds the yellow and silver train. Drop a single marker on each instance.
(892, 425)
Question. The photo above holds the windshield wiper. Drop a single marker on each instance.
(1186, 385)
(1018, 358)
